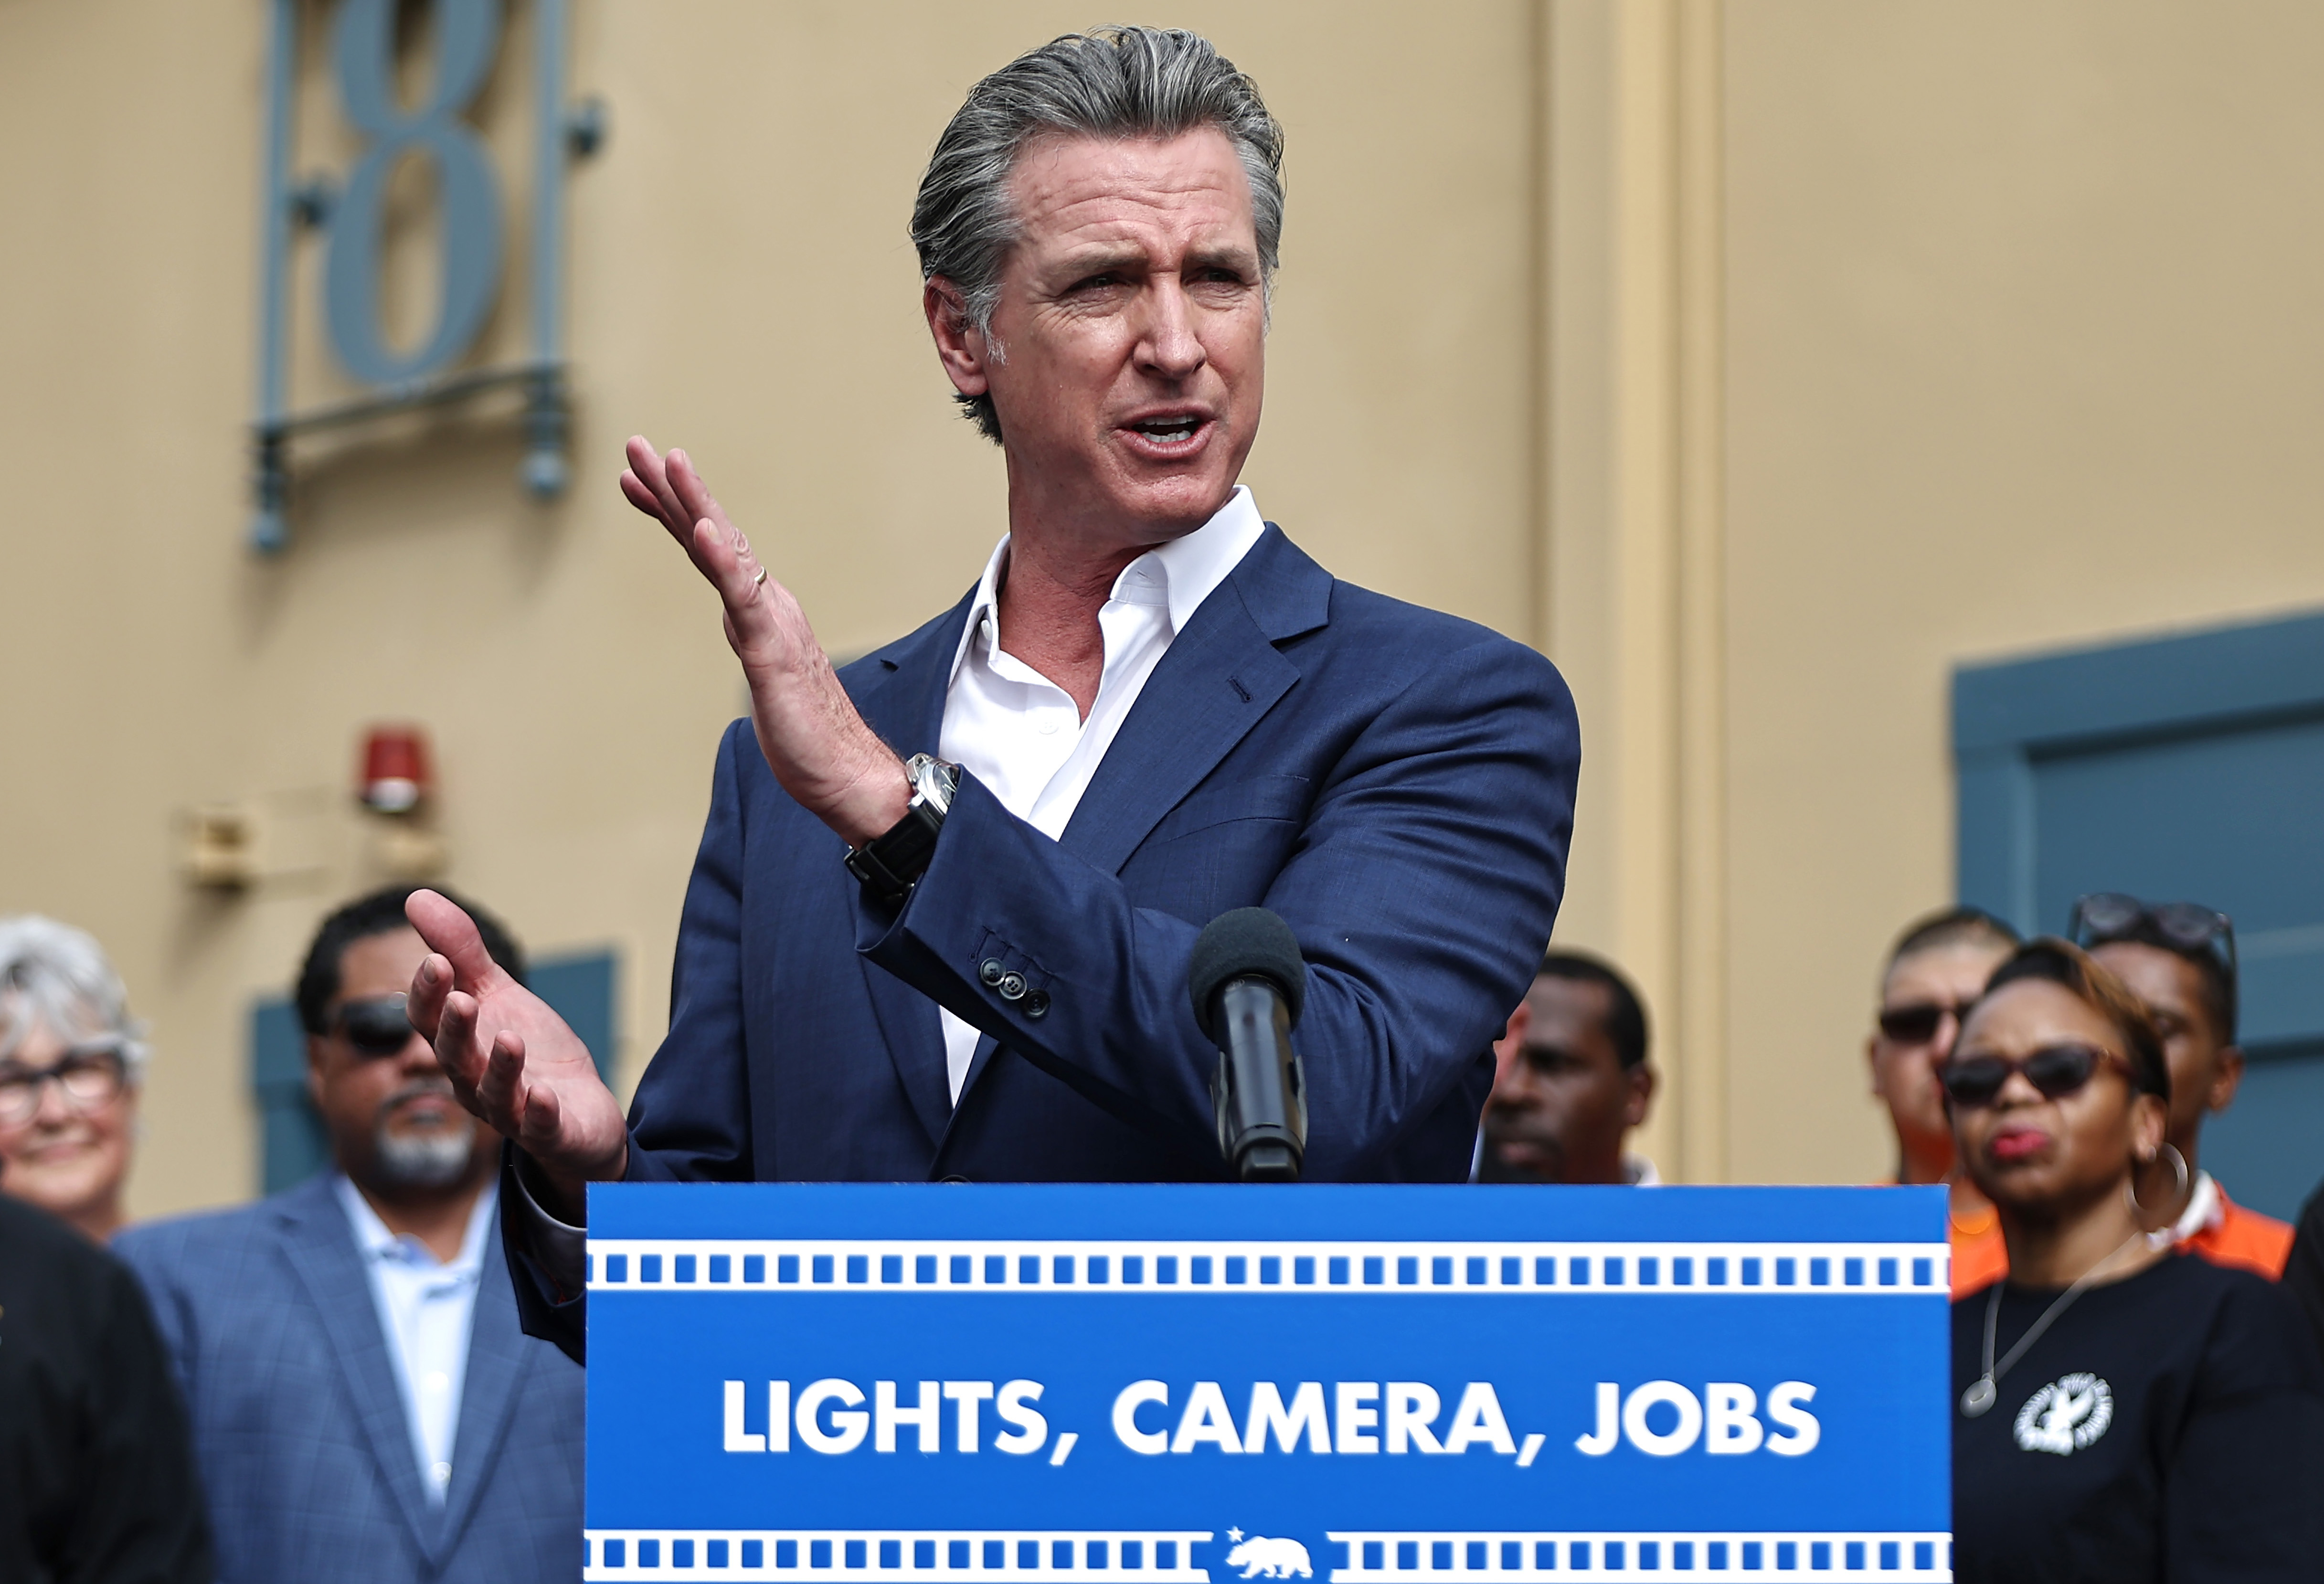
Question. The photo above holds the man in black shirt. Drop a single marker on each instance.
(97, 1476)
(2303, 1272)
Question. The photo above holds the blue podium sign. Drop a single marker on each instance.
(1158, 1384)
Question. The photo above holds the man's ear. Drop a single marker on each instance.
(315, 1070)
(2226, 1077)
(960, 347)
(1641, 1096)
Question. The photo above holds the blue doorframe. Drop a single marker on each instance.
(2008, 712)
(2189, 765)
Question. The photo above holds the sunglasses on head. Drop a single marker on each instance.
(2054, 1071)
(1916, 1022)
(375, 1027)
(2106, 917)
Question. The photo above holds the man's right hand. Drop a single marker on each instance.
(512, 1060)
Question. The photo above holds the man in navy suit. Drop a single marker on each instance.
(940, 924)
(357, 1380)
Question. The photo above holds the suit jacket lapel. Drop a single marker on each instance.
(901, 694)
(1219, 679)
(500, 1366)
(321, 1248)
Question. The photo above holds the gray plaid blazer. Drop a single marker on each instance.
(298, 1429)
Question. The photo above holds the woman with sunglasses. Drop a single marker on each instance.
(69, 1065)
(2122, 1412)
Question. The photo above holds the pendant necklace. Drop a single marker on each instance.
(1976, 1402)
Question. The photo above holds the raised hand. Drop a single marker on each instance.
(831, 763)
(512, 1060)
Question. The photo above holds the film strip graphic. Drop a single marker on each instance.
(696, 1264)
(1166, 1556)
(1435, 1557)
(895, 1556)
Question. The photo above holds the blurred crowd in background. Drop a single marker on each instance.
(2056, 1090)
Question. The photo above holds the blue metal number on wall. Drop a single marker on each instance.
(467, 38)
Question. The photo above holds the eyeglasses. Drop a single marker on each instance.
(1916, 1022)
(2054, 1071)
(374, 1027)
(90, 1075)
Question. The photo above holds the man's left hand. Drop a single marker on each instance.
(830, 763)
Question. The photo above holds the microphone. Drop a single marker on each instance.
(1249, 982)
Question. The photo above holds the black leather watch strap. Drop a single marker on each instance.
(893, 862)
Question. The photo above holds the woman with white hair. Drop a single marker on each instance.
(70, 1065)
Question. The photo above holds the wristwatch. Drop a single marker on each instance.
(891, 863)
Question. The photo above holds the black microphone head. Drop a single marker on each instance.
(1248, 943)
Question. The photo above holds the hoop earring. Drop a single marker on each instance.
(2178, 1188)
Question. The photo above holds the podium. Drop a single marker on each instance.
(841, 1383)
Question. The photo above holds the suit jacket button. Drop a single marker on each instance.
(991, 970)
(1037, 1004)
(1011, 986)
(953, 1179)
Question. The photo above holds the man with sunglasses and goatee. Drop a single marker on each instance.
(2180, 959)
(364, 1404)
(1937, 967)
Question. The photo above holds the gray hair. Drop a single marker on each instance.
(1110, 82)
(57, 977)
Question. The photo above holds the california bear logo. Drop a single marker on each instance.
(2067, 1414)
(1260, 1557)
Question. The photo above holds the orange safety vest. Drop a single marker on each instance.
(1980, 1257)
(2244, 1238)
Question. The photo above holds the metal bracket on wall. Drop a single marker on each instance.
(350, 212)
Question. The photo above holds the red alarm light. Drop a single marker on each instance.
(395, 775)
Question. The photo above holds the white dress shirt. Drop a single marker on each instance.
(426, 1308)
(1023, 737)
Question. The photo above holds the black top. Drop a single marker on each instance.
(2167, 1427)
(96, 1474)
(2303, 1272)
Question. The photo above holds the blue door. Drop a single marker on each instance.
(2184, 768)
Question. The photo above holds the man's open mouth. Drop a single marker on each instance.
(1171, 429)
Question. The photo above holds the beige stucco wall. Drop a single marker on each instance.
(2023, 347)
(741, 283)
(1760, 364)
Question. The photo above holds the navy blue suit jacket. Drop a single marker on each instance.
(1396, 783)
(299, 1427)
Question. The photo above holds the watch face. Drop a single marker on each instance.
(933, 780)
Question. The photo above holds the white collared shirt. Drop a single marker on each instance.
(2204, 1210)
(1022, 736)
(426, 1309)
